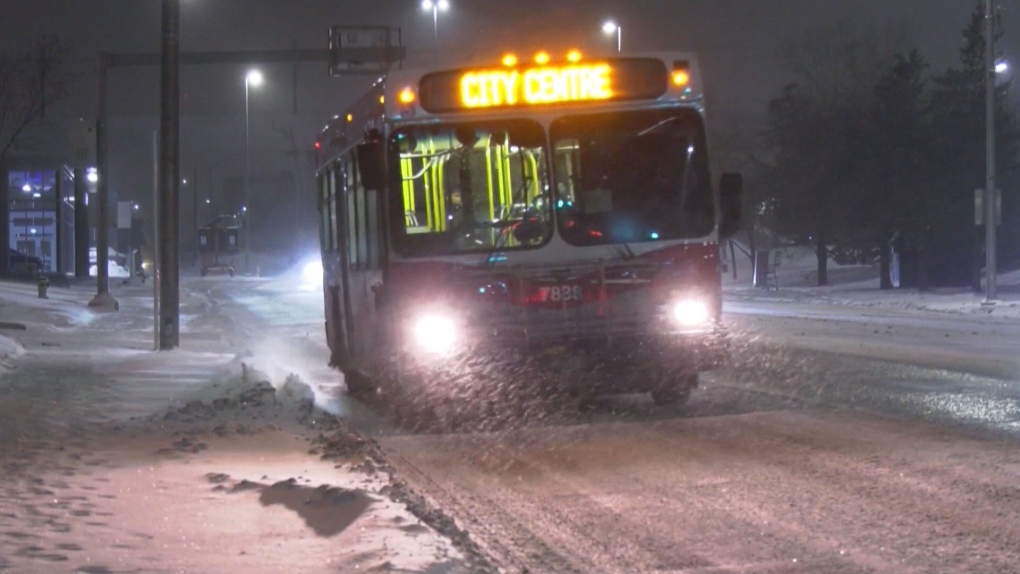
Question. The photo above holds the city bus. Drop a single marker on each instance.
(553, 218)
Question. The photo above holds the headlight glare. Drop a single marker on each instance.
(435, 333)
(689, 312)
(312, 272)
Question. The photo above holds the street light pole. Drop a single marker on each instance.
(989, 198)
(253, 78)
(194, 212)
(612, 28)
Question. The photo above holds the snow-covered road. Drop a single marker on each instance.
(842, 438)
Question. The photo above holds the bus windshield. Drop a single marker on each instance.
(469, 187)
(632, 177)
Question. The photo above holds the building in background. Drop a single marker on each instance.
(39, 211)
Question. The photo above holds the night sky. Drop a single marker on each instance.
(736, 42)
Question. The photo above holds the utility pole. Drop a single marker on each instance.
(169, 178)
(194, 214)
(103, 298)
(989, 200)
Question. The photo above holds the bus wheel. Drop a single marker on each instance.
(359, 385)
(675, 392)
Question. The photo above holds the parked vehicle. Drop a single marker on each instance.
(22, 263)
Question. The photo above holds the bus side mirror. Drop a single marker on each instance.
(370, 165)
(731, 187)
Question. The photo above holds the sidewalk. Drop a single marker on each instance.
(119, 459)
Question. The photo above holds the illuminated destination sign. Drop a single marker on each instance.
(477, 89)
(545, 85)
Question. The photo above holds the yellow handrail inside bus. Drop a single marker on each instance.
(488, 178)
(501, 178)
(429, 215)
(406, 176)
(533, 163)
(505, 152)
(440, 191)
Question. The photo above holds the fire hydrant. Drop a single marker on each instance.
(44, 284)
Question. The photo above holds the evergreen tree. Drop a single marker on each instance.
(895, 182)
(819, 134)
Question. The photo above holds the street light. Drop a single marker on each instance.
(610, 28)
(435, 6)
(989, 196)
(252, 80)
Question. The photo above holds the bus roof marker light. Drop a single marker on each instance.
(406, 96)
(350, 117)
(574, 56)
(509, 60)
(681, 75)
(542, 58)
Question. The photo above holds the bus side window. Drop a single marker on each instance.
(374, 228)
(333, 206)
(352, 214)
(325, 238)
(363, 233)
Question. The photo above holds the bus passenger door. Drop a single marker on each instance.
(334, 265)
(362, 217)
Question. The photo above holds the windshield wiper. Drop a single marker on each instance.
(647, 131)
(500, 244)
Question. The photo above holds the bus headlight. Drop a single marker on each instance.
(689, 312)
(435, 333)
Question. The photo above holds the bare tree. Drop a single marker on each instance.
(818, 131)
(841, 61)
(31, 82)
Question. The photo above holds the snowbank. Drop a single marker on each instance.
(113, 268)
(858, 286)
(9, 351)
